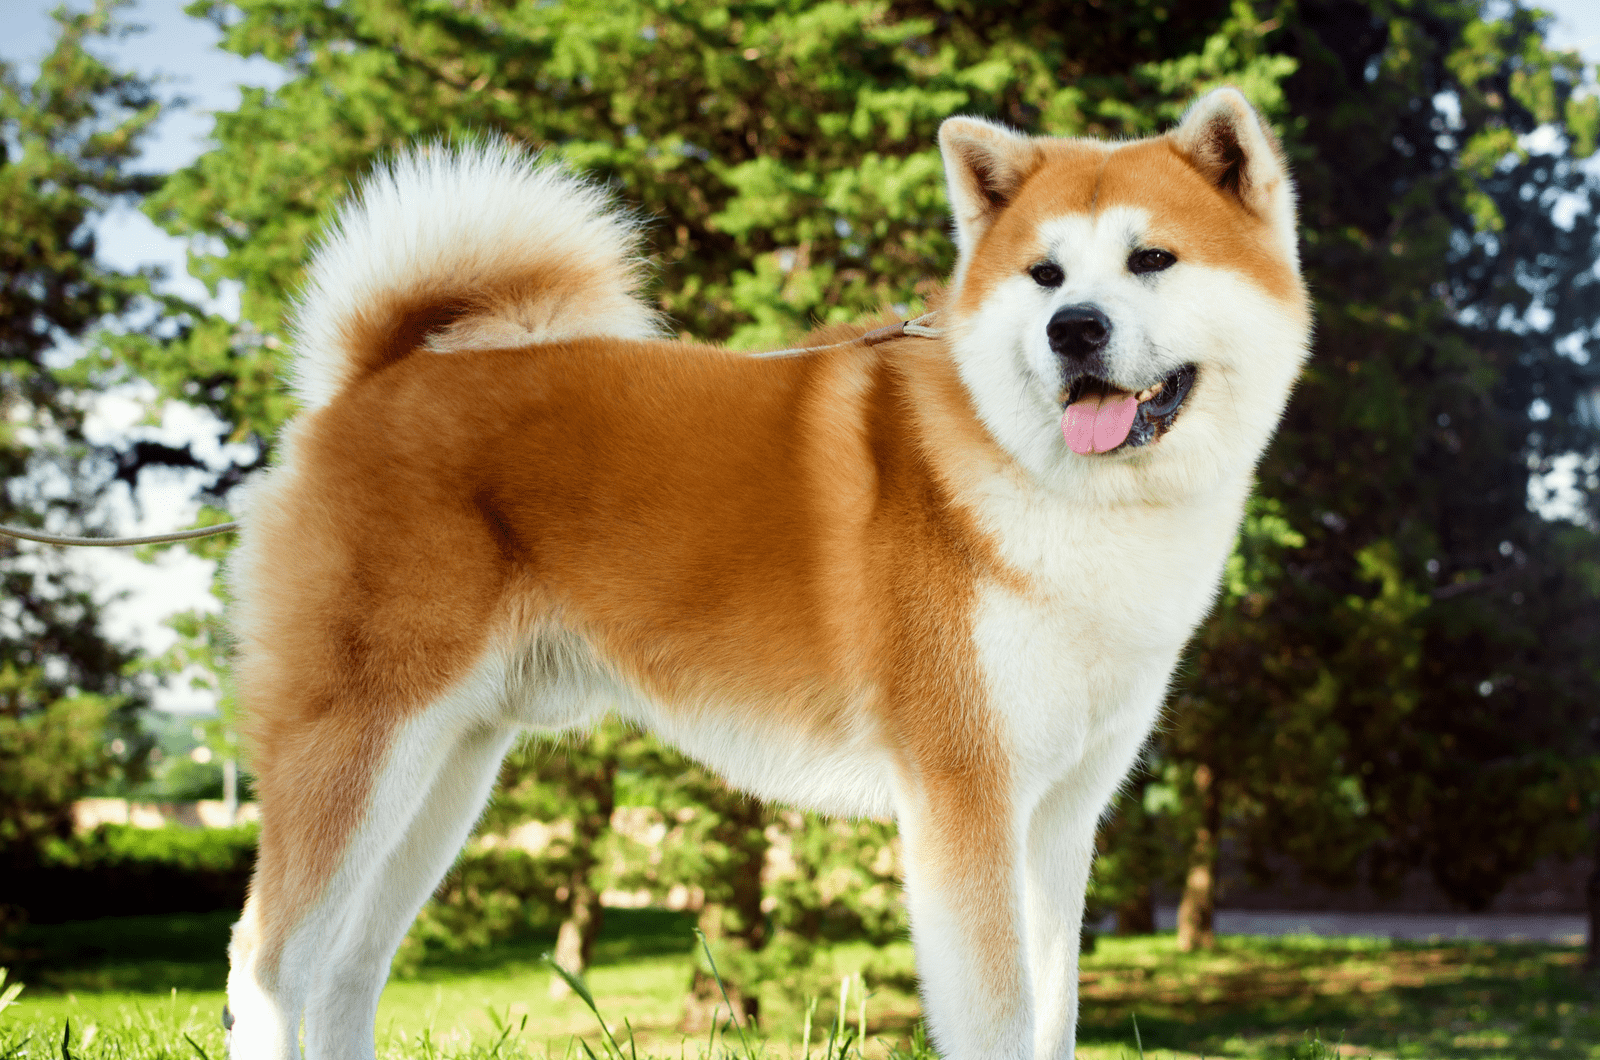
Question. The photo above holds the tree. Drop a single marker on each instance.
(65, 144)
(500, 888)
(783, 150)
(572, 782)
(1408, 680)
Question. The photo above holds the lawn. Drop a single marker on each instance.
(151, 987)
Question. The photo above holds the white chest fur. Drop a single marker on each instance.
(1078, 663)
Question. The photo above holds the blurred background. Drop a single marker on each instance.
(1388, 728)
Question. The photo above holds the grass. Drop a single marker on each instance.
(150, 988)
(1255, 997)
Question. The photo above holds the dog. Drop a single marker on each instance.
(943, 575)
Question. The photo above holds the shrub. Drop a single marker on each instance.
(493, 893)
(120, 870)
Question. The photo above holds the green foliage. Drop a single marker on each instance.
(844, 883)
(49, 756)
(173, 767)
(783, 150)
(182, 849)
(120, 870)
(64, 143)
(1407, 679)
(68, 137)
(491, 894)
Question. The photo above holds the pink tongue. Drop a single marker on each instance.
(1095, 424)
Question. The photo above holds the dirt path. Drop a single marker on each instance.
(1563, 929)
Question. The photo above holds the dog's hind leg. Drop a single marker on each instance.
(359, 824)
(315, 779)
(355, 963)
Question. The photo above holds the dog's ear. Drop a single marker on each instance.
(1226, 141)
(984, 165)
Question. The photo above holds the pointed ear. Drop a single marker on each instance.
(1226, 141)
(984, 165)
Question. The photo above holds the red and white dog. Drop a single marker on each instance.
(941, 578)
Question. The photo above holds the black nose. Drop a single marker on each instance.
(1078, 332)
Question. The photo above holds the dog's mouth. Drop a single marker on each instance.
(1100, 417)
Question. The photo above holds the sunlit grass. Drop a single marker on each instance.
(125, 995)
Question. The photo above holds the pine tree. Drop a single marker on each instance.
(1408, 678)
(66, 142)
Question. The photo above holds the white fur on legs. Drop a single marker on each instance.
(974, 985)
(344, 1001)
(266, 1020)
(446, 753)
(1060, 852)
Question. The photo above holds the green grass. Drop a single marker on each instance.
(1255, 997)
(150, 988)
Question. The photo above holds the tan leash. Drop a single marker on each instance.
(921, 328)
(115, 542)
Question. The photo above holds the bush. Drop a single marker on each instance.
(844, 881)
(493, 893)
(119, 870)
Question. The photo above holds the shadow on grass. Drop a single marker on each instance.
(625, 935)
(189, 951)
(1261, 997)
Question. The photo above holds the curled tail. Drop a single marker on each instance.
(458, 248)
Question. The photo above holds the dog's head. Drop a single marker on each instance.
(1127, 315)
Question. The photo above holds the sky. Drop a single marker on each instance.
(182, 53)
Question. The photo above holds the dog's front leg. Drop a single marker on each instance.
(964, 887)
(1060, 851)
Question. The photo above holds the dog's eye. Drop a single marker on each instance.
(1047, 274)
(1143, 261)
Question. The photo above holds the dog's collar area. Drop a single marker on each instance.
(923, 327)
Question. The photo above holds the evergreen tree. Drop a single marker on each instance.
(65, 144)
(1409, 677)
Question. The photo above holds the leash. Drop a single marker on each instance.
(922, 327)
(114, 542)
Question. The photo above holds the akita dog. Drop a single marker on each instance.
(941, 578)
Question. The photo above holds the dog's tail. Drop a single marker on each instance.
(468, 247)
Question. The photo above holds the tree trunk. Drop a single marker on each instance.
(575, 940)
(705, 1002)
(738, 919)
(1137, 915)
(1592, 892)
(1197, 910)
(595, 788)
